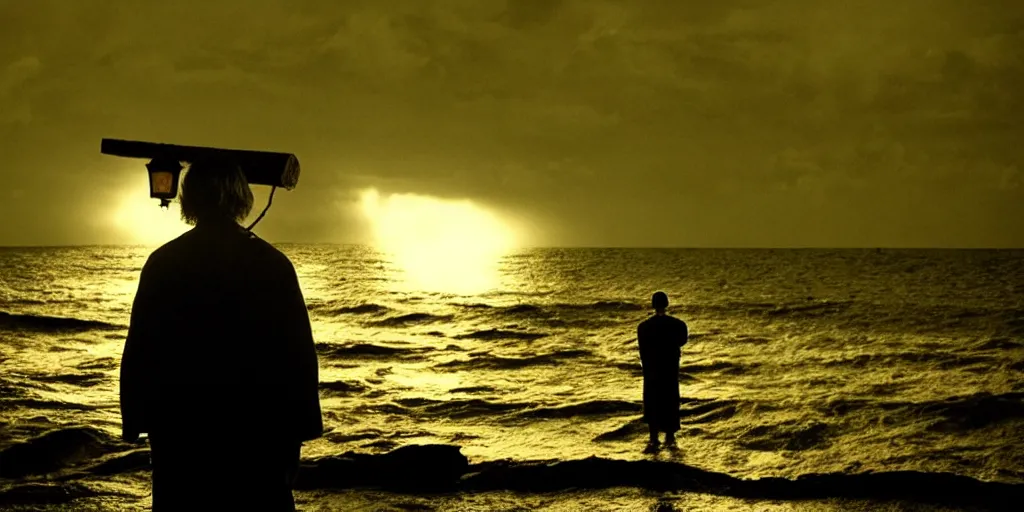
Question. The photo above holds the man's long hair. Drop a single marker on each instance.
(215, 191)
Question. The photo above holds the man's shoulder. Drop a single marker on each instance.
(677, 320)
(266, 247)
(168, 252)
(262, 251)
(269, 255)
(678, 324)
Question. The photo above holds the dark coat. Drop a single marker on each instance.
(660, 338)
(220, 361)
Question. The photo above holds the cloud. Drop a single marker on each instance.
(601, 114)
(14, 106)
(18, 72)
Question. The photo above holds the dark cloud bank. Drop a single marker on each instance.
(624, 123)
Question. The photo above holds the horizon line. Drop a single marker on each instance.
(602, 247)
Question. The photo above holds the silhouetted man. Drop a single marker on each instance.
(660, 338)
(219, 367)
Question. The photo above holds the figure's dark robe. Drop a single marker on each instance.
(220, 369)
(660, 338)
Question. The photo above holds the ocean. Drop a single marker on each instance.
(801, 364)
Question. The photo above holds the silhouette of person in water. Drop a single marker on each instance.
(219, 367)
(660, 338)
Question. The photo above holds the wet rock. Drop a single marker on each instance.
(411, 468)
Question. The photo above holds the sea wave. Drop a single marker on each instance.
(466, 408)
(492, 362)
(691, 412)
(973, 411)
(587, 408)
(998, 344)
(102, 363)
(725, 367)
(540, 311)
(340, 387)
(410, 319)
(500, 334)
(789, 435)
(42, 404)
(39, 493)
(474, 389)
(358, 309)
(55, 450)
(960, 414)
(75, 379)
(51, 324)
(604, 313)
(934, 359)
(368, 350)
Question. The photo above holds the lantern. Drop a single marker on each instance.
(163, 179)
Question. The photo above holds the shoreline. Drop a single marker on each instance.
(437, 470)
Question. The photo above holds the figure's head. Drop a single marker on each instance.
(215, 192)
(659, 301)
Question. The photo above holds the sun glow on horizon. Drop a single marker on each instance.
(442, 245)
(141, 220)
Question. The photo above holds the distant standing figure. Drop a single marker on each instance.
(219, 366)
(660, 338)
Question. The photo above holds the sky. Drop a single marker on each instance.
(651, 123)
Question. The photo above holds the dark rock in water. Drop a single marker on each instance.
(411, 468)
(598, 473)
(44, 494)
(54, 450)
(442, 468)
(589, 473)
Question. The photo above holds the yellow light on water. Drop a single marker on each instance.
(442, 245)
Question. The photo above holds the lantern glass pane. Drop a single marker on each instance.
(162, 182)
